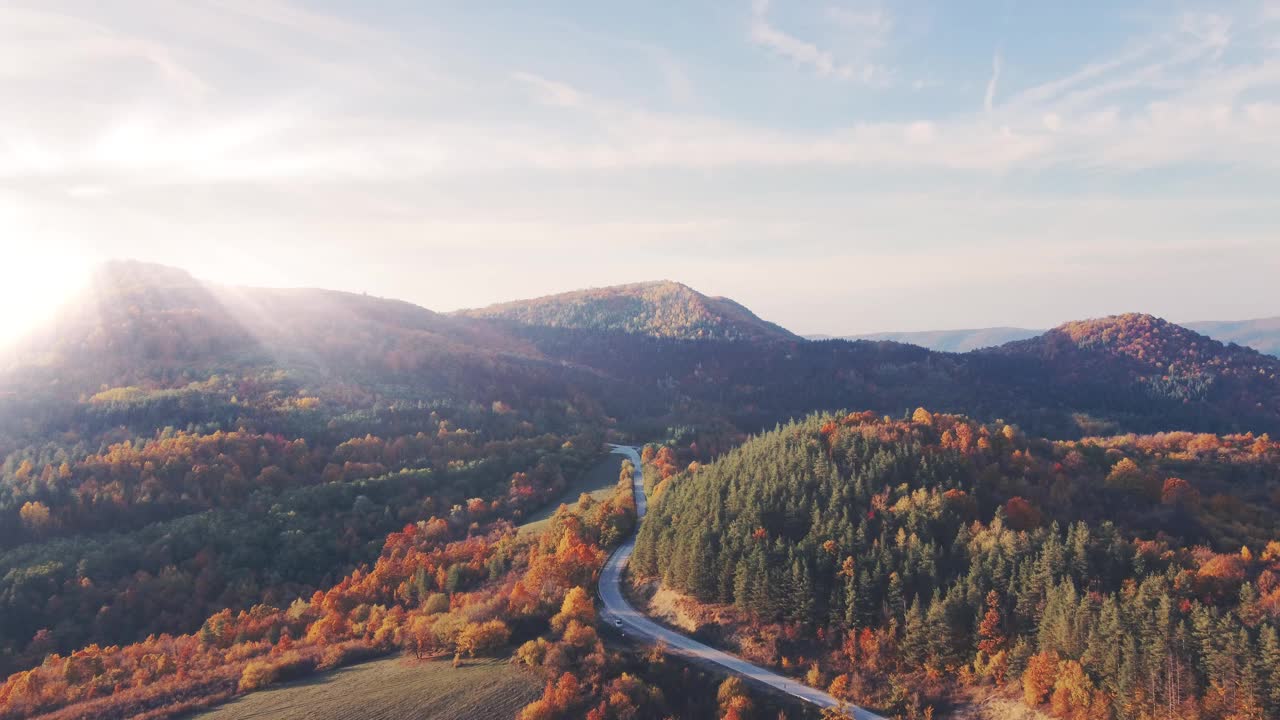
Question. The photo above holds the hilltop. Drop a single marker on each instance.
(1143, 363)
(1262, 334)
(659, 309)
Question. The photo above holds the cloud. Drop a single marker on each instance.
(388, 117)
(989, 98)
(873, 23)
(550, 92)
(765, 34)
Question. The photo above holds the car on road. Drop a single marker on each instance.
(617, 623)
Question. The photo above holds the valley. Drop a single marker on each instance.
(247, 503)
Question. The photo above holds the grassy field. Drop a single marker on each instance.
(599, 480)
(395, 688)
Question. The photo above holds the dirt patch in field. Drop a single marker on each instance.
(996, 707)
(678, 610)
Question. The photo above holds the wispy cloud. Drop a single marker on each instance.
(989, 99)
(549, 91)
(188, 123)
(803, 52)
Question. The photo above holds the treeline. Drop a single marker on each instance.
(1067, 384)
(1115, 578)
(50, 491)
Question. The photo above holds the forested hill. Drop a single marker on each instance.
(148, 321)
(660, 309)
(144, 338)
(1261, 334)
(1114, 577)
(1121, 359)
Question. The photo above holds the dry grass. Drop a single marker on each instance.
(996, 707)
(394, 689)
(598, 481)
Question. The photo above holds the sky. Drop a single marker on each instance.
(838, 167)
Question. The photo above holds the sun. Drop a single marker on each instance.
(36, 281)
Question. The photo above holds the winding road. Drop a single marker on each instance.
(633, 621)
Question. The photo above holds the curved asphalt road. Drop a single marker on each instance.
(616, 607)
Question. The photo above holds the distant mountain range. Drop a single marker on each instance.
(653, 355)
(1262, 334)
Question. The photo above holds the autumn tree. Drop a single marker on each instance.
(1179, 492)
(1039, 677)
(483, 637)
(35, 516)
(733, 699)
(578, 606)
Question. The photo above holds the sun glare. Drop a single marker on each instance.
(37, 282)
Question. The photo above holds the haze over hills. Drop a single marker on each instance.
(661, 309)
(1262, 334)
(956, 341)
(648, 349)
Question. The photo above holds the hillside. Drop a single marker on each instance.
(171, 448)
(142, 320)
(892, 551)
(1127, 366)
(660, 309)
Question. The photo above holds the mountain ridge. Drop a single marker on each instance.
(1261, 334)
(161, 329)
(660, 308)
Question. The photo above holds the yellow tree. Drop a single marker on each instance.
(578, 606)
(483, 637)
(35, 516)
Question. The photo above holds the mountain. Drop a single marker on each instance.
(144, 348)
(1133, 364)
(1262, 334)
(137, 317)
(653, 355)
(659, 309)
